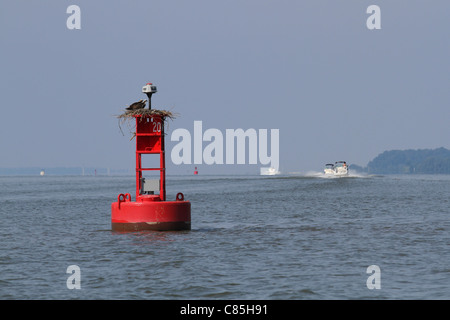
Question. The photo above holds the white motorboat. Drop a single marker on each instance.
(269, 171)
(329, 168)
(339, 168)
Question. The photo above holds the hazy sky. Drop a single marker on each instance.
(312, 69)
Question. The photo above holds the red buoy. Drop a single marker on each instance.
(150, 211)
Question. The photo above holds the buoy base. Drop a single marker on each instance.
(150, 215)
(157, 226)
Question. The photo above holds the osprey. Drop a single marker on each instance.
(137, 105)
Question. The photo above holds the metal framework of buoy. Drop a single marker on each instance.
(150, 211)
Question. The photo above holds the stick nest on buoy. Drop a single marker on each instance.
(129, 115)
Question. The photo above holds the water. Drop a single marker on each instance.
(279, 237)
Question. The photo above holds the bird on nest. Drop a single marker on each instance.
(137, 105)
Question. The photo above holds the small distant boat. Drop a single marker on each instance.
(42, 172)
(269, 171)
(329, 168)
(339, 168)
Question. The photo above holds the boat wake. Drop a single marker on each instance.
(321, 175)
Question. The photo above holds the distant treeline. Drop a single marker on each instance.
(422, 161)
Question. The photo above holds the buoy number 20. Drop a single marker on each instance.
(156, 126)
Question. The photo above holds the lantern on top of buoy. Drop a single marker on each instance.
(150, 210)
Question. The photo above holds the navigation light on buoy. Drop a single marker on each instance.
(149, 89)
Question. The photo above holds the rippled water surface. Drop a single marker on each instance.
(252, 237)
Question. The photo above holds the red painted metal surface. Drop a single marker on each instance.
(150, 140)
(150, 211)
(146, 214)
